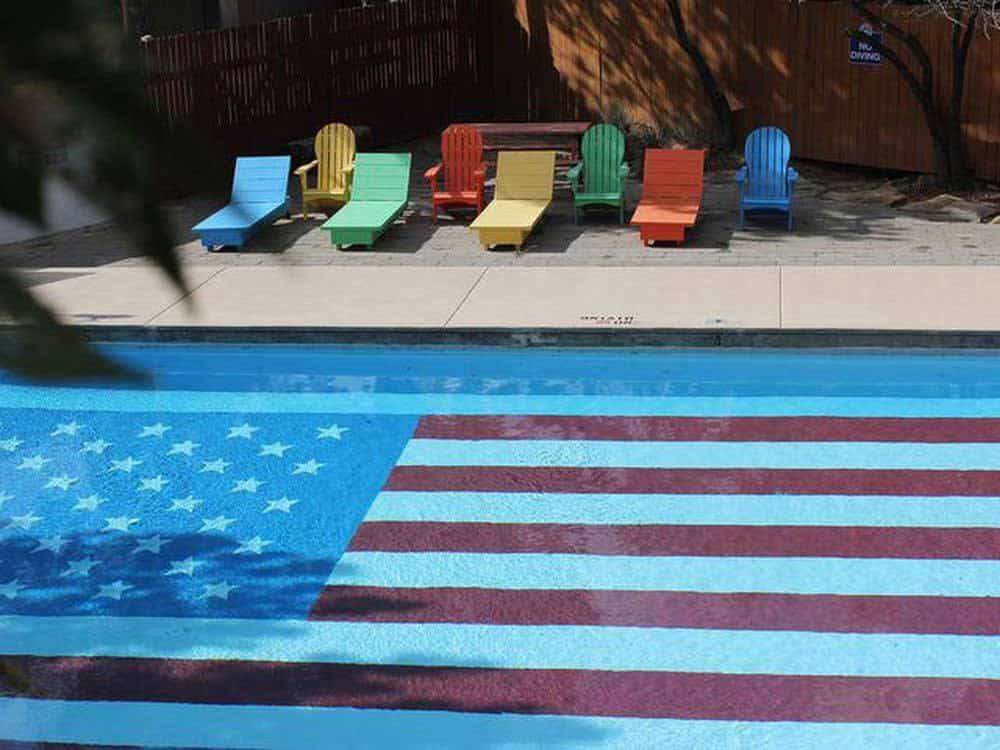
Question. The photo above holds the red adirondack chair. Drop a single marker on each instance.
(462, 168)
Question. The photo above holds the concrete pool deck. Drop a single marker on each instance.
(847, 298)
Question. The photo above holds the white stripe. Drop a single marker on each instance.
(709, 510)
(780, 575)
(252, 402)
(702, 455)
(510, 646)
(297, 727)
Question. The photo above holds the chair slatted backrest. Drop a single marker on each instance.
(461, 154)
(603, 150)
(525, 175)
(672, 173)
(335, 149)
(261, 179)
(767, 153)
(381, 177)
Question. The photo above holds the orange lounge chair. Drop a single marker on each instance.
(671, 194)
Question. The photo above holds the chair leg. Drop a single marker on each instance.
(742, 218)
(434, 213)
(789, 221)
(576, 215)
(621, 214)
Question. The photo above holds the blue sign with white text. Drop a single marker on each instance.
(866, 53)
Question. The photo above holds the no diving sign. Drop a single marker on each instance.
(864, 52)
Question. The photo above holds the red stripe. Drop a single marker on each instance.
(710, 541)
(525, 691)
(694, 481)
(664, 609)
(742, 429)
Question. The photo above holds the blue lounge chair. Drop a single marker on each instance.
(260, 195)
(766, 182)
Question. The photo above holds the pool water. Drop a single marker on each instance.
(354, 547)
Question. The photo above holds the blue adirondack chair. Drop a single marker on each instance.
(767, 182)
(260, 195)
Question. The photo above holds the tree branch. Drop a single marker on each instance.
(911, 42)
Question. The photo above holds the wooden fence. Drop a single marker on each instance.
(402, 68)
(781, 63)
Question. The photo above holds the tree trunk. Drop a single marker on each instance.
(720, 105)
(961, 42)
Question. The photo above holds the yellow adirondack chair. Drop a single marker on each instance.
(334, 165)
(523, 193)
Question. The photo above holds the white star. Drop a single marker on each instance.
(81, 567)
(219, 523)
(246, 485)
(4, 497)
(154, 430)
(95, 446)
(275, 449)
(217, 591)
(333, 432)
(183, 567)
(312, 466)
(93, 502)
(120, 523)
(185, 503)
(243, 431)
(35, 463)
(11, 589)
(152, 544)
(284, 505)
(24, 522)
(10, 444)
(70, 428)
(155, 484)
(255, 545)
(218, 466)
(53, 544)
(63, 482)
(113, 590)
(187, 448)
(126, 465)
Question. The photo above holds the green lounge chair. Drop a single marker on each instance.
(378, 197)
(603, 171)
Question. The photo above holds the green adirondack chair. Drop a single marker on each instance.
(378, 197)
(603, 170)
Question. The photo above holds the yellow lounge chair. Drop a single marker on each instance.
(523, 192)
(334, 165)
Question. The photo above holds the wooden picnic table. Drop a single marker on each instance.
(563, 137)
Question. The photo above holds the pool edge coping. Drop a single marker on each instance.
(546, 337)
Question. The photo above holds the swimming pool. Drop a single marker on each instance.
(285, 546)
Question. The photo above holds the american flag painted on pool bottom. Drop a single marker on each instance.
(177, 515)
(746, 569)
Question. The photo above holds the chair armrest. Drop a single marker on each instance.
(793, 175)
(625, 170)
(348, 169)
(431, 175)
(480, 176)
(306, 168)
(741, 175)
(573, 175)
